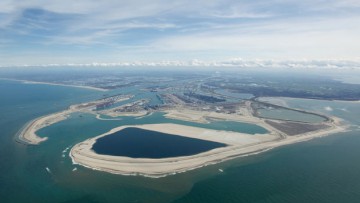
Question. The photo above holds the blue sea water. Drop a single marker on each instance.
(320, 170)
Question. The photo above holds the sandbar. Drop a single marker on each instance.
(27, 134)
(56, 84)
(239, 144)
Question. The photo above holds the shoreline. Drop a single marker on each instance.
(238, 144)
(273, 98)
(21, 138)
(55, 84)
(187, 114)
(27, 134)
(82, 154)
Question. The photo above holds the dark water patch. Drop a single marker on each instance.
(140, 143)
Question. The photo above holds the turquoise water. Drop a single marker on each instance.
(286, 114)
(321, 170)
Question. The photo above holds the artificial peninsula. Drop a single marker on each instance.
(204, 146)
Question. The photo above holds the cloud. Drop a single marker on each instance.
(180, 29)
(230, 63)
(275, 39)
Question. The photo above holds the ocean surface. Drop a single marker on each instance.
(321, 170)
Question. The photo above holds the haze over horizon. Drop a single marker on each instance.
(63, 32)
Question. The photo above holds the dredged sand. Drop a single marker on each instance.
(28, 133)
(56, 84)
(239, 144)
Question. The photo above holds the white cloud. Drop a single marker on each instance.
(336, 38)
(231, 63)
(185, 29)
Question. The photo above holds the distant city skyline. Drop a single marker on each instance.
(84, 32)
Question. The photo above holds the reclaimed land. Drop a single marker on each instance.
(238, 144)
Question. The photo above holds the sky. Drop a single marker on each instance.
(111, 31)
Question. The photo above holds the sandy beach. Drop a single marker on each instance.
(56, 84)
(239, 144)
(204, 116)
(28, 133)
(119, 114)
(282, 100)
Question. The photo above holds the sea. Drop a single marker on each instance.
(325, 169)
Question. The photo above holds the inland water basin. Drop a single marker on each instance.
(140, 143)
(286, 114)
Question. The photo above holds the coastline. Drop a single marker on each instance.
(98, 116)
(239, 145)
(281, 100)
(55, 84)
(27, 134)
(22, 137)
